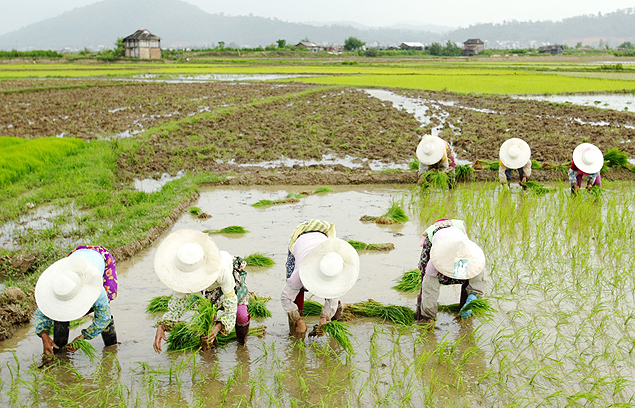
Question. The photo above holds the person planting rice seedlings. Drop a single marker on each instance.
(318, 262)
(435, 153)
(587, 163)
(514, 154)
(84, 282)
(189, 262)
(448, 257)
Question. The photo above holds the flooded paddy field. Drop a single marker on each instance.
(560, 278)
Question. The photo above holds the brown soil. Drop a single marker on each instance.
(16, 309)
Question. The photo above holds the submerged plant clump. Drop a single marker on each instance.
(267, 203)
(410, 282)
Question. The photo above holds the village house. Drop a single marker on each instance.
(143, 45)
(307, 45)
(551, 49)
(473, 46)
(411, 46)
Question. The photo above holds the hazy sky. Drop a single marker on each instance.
(453, 13)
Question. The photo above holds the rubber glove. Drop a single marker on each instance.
(467, 313)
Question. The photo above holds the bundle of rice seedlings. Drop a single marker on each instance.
(452, 308)
(322, 190)
(396, 213)
(615, 157)
(595, 191)
(368, 218)
(536, 165)
(205, 315)
(266, 203)
(479, 307)
(257, 306)
(339, 331)
(184, 337)
(84, 346)
(222, 341)
(433, 179)
(395, 314)
(195, 211)
(535, 187)
(361, 246)
(259, 259)
(158, 304)
(414, 165)
(410, 282)
(297, 196)
(311, 308)
(233, 229)
(464, 172)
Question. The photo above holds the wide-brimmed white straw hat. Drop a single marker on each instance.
(588, 158)
(430, 149)
(330, 269)
(67, 289)
(514, 153)
(188, 261)
(457, 257)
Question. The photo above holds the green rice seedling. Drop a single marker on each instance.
(84, 346)
(311, 308)
(535, 187)
(158, 304)
(259, 259)
(464, 172)
(434, 178)
(361, 246)
(595, 191)
(195, 211)
(257, 306)
(233, 229)
(339, 331)
(414, 165)
(410, 282)
(479, 307)
(263, 203)
(184, 337)
(222, 341)
(322, 190)
(395, 314)
(615, 157)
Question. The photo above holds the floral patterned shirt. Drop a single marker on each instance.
(426, 247)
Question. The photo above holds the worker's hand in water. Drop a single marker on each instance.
(467, 313)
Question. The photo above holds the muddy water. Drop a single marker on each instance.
(269, 231)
